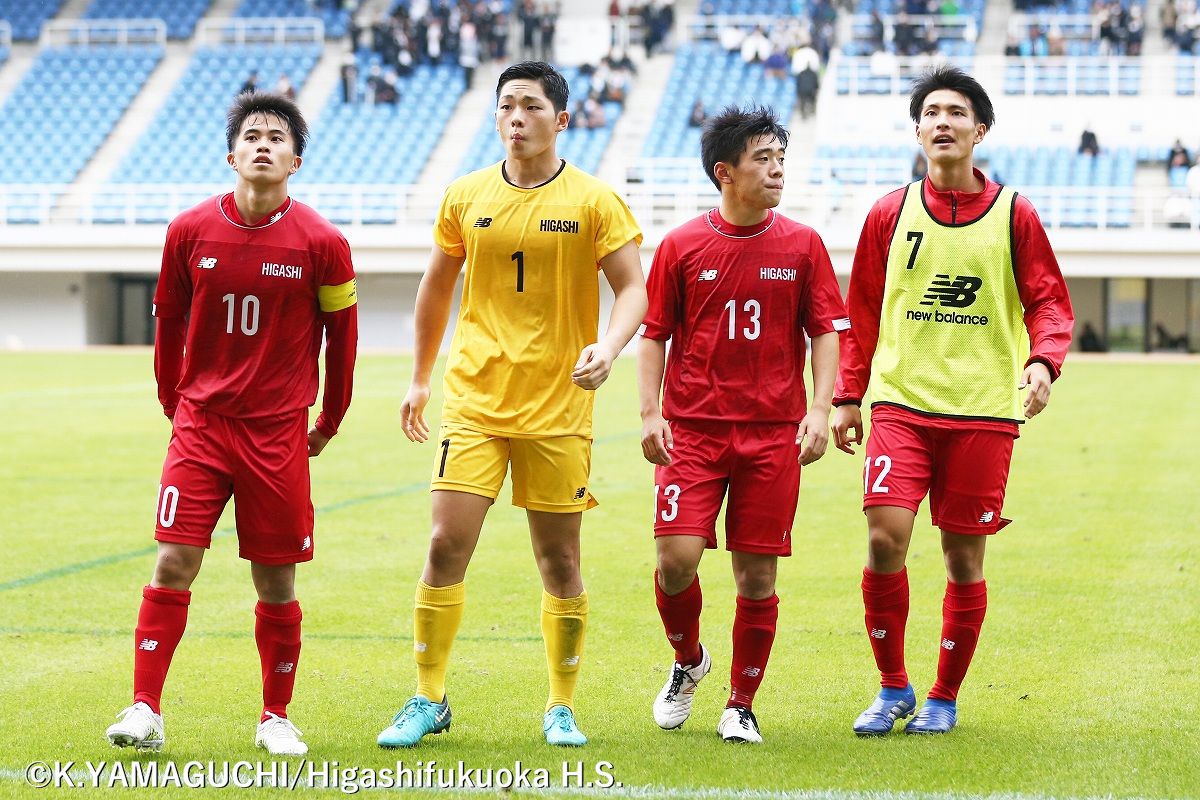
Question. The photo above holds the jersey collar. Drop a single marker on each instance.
(229, 211)
(730, 231)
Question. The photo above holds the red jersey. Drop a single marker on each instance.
(736, 303)
(1040, 285)
(255, 300)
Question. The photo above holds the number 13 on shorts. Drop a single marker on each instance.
(877, 468)
(668, 509)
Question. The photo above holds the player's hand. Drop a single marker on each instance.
(316, 442)
(1037, 378)
(412, 413)
(813, 436)
(593, 367)
(657, 441)
(847, 418)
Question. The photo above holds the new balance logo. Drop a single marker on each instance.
(420, 647)
(707, 275)
(986, 517)
(206, 263)
(570, 661)
(285, 667)
(675, 637)
(947, 644)
(957, 293)
(878, 633)
(307, 543)
(483, 222)
(752, 672)
(148, 644)
(580, 492)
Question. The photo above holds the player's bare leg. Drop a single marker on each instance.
(885, 597)
(963, 610)
(457, 521)
(162, 618)
(679, 600)
(754, 626)
(555, 540)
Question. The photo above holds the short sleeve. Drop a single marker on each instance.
(615, 225)
(173, 294)
(824, 311)
(447, 232)
(662, 288)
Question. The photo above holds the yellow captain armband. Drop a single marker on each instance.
(335, 298)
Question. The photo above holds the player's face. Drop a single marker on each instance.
(264, 151)
(526, 119)
(757, 179)
(948, 131)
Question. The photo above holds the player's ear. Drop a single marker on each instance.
(980, 131)
(296, 162)
(721, 170)
(230, 161)
(564, 118)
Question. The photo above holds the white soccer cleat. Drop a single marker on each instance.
(674, 703)
(137, 727)
(280, 737)
(739, 725)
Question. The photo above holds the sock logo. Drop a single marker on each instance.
(285, 667)
(420, 646)
(570, 661)
(878, 633)
(752, 672)
(947, 644)
(148, 644)
(675, 637)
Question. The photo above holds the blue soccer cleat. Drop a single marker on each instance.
(936, 716)
(560, 728)
(891, 705)
(419, 717)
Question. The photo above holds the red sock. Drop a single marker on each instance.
(681, 619)
(885, 597)
(277, 633)
(753, 634)
(161, 620)
(963, 610)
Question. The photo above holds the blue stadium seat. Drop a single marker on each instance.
(27, 16)
(180, 16)
(335, 16)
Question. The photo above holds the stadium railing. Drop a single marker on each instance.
(856, 28)
(658, 205)
(5, 35)
(707, 28)
(267, 30)
(122, 32)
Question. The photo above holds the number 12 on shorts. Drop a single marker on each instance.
(883, 465)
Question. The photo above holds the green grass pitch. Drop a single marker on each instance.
(1086, 682)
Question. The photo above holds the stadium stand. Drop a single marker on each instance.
(64, 107)
(180, 16)
(27, 16)
(335, 15)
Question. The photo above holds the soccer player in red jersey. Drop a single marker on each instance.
(735, 291)
(953, 283)
(250, 283)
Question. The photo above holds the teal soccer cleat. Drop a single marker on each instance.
(560, 728)
(891, 705)
(936, 716)
(418, 718)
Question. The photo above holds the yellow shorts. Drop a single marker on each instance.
(547, 474)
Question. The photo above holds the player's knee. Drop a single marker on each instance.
(175, 570)
(676, 572)
(964, 566)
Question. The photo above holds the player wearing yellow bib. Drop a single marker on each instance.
(954, 284)
(532, 232)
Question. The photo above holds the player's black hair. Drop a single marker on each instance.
(248, 104)
(552, 81)
(726, 134)
(944, 76)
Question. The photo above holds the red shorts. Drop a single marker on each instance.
(963, 471)
(756, 462)
(262, 463)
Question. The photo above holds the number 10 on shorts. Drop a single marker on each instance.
(168, 503)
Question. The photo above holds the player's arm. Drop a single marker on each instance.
(169, 336)
(341, 351)
(656, 433)
(813, 433)
(1048, 314)
(172, 300)
(623, 270)
(434, 298)
(864, 302)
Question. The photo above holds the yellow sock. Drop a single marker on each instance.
(436, 616)
(564, 622)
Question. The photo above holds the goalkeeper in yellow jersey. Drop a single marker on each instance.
(532, 232)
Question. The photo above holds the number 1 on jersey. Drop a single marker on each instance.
(519, 257)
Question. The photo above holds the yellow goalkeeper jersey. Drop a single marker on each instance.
(531, 297)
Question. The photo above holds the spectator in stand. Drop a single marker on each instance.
(1135, 32)
(349, 71)
(920, 166)
(904, 35)
(808, 83)
(875, 39)
(1088, 143)
(433, 41)
(1056, 44)
(579, 118)
(1035, 44)
(756, 47)
(597, 117)
(1090, 341)
(528, 17)
(776, 65)
(468, 50)
(547, 27)
(1168, 15)
(284, 87)
(1012, 47)
(929, 46)
(698, 115)
(1177, 152)
(1177, 171)
(251, 83)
